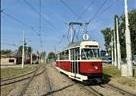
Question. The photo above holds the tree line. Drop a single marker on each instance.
(108, 33)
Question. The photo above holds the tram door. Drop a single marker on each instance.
(75, 60)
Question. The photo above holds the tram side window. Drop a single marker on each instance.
(64, 55)
(61, 56)
(74, 54)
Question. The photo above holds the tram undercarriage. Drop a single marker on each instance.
(96, 78)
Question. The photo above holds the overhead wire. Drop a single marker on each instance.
(101, 12)
(15, 45)
(63, 36)
(40, 17)
(96, 14)
(40, 25)
(35, 10)
(69, 8)
(107, 8)
(24, 24)
(18, 20)
(74, 13)
(85, 9)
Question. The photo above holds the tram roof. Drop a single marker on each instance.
(81, 44)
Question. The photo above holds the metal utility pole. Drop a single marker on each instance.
(115, 43)
(118, 43)
(112, 50)
(23, 51)
(128, 43)
(31, 58)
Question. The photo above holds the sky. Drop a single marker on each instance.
(20, 16)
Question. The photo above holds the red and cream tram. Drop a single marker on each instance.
(81, 61)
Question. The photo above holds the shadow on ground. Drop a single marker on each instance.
(105, 79)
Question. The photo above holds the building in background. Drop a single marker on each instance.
(7, 60)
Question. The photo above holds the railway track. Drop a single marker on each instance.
(21, 87)
(29, 82)
(23, 90)
(20, 78)
(15, 77)
(49, 85)
(88, 88)
(108, 88)
(93, 90)
(123, 92)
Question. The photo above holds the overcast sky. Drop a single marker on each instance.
(55, 16)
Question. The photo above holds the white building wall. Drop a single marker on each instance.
(5, 61)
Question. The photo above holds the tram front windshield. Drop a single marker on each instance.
(88, 54)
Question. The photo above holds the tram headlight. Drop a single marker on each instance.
(96, 67)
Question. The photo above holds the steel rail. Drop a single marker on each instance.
(50, 91)
(122, 91)
(23, 90)
(15, 77)
(4, 83)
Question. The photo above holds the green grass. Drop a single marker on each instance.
(135, 73)
(11, 72)
(114, 74)
(111, 71)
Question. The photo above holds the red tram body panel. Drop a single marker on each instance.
(65, 65)
(91, 67)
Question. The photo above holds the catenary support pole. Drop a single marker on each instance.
(23, 51)
(112, 49)
(128, 43)
(115, 44)
(118, 44)
(31, 58)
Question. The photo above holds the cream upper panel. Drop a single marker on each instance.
(89, 44)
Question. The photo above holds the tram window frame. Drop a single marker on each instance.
(74, 56)
(61, 56)
(64, 55)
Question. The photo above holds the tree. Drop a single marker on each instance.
(6, 52)
(43, 54)
(107, 33)
(27, 51)
(19, 52)
(132, 27)
(51, 56)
